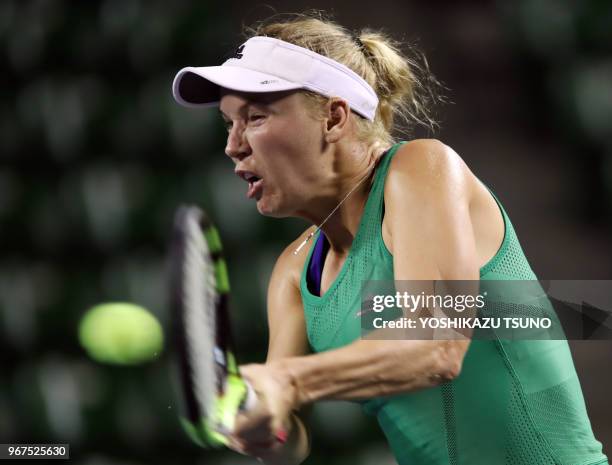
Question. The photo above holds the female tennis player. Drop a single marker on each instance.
(310, 109)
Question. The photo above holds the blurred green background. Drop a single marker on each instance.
(95, 156)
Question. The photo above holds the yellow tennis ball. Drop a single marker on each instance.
(121, 334)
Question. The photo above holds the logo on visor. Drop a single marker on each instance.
(238, 52)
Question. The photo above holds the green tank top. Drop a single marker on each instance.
(515, 402)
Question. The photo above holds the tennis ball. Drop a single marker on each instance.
(120, 334)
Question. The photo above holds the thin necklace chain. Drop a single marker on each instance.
(305, 241)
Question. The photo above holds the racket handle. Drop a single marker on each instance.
(250, 398)
(249, 403)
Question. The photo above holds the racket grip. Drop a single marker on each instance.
(250, 398)
(249, 403)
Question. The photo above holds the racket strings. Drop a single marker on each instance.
(200, 300)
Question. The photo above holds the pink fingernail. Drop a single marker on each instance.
(281, 436)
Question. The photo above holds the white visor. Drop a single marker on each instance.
(264, 64)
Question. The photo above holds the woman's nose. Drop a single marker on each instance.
(237, 147)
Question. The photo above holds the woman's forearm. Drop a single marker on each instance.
(368, 368)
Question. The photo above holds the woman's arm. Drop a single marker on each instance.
(429, 231)
(287, 338)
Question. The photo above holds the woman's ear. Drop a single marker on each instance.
(336, 121)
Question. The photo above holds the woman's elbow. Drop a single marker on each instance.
(449, 360)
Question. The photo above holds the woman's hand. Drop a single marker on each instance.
(256, 432)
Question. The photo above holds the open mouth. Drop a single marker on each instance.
(255, 183)
(255, 188)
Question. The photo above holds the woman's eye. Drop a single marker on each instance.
(255, 117)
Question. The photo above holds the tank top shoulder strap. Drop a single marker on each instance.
(374, 207)
(383, 165)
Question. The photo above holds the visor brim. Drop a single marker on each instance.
(199, 86)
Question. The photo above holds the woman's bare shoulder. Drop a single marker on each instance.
(427, 183)
(289, 265)
(429, 168)
(287, 327)
(424, 158)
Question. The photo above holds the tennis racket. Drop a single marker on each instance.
(213, 390)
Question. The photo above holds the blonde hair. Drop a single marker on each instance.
(405, 87)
